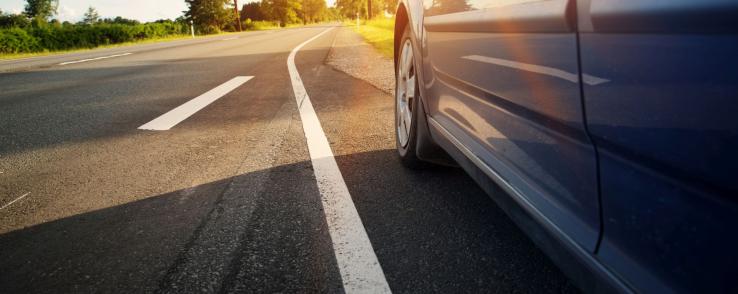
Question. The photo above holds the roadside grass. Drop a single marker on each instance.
(259, 25)
(293, 25)
(378, 32)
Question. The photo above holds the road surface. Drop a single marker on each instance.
(186, 167)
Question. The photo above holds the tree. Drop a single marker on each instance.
(390, 6)
(313, 10)
(13, 20)
(252, 11)
(349, 8)
(120, 20)
(378, 8)
(91, 16)
(209, 15)
(284, 11)
(332, 13)
(41, 9)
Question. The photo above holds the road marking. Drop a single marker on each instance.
(357, 262)
(228, 39)
(550, 71)
(16, 199)
(175, 116)
(93, 59)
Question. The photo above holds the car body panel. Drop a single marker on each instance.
(515, 92)
(666, 127)
(652, 139)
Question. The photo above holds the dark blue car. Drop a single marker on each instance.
(610, 125)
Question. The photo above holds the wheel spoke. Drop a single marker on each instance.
(401, 90)
(403, 63)
(406, 128)
(408, 115)
(408, 61)
(409, 88)
(402, 132)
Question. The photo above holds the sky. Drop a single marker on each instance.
(142, 10)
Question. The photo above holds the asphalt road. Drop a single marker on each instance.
(227, 199)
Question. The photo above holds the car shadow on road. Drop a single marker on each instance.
(433, 231)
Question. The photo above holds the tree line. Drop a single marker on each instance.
(36, 29)
(365, 8)
(219, 15)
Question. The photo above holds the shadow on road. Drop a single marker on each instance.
(433, 231)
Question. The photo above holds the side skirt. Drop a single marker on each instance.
(578, 264)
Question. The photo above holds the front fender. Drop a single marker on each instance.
(414, 13)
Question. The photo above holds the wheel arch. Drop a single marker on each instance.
(401, 20)
(426, 148)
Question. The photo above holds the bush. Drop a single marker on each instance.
(16, 40)
(206, 30)
(66, 37)
(250, 25)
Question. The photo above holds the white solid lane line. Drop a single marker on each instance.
(357, 262)
(16, 199)
(96, 58)
(549, 71)
(175, 116)
(228, 39)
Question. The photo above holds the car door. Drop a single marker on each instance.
(666, 128)
(502, 77)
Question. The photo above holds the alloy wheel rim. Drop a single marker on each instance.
(405, 94)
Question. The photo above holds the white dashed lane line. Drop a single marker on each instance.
(175, 116)
(14, 201)
(96, 58)
(360, 270)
